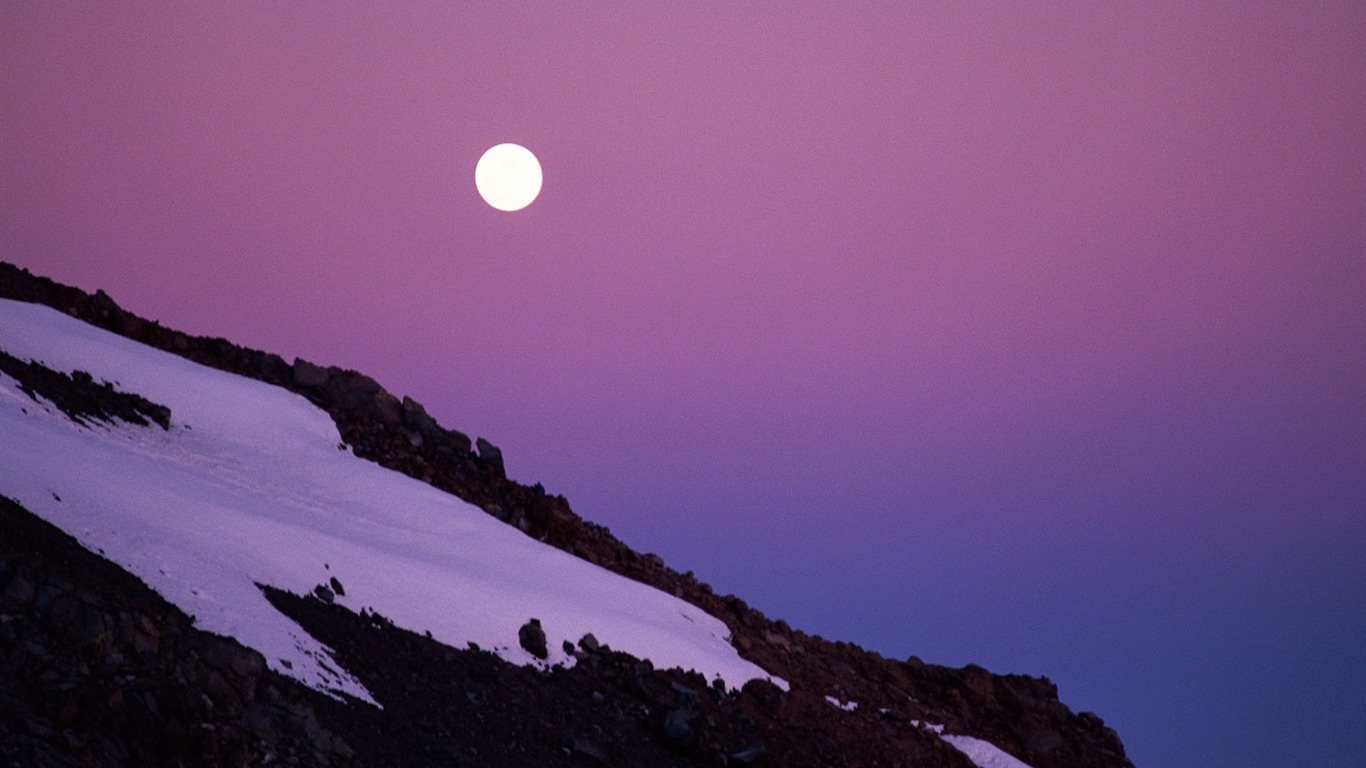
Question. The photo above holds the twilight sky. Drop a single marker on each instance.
(1027, 335)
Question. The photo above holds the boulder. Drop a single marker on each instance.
(532, 639)
(491, 454)
(676, 727)
(388, 409)
(415, 418)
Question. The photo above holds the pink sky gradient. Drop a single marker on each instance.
(1027, 336)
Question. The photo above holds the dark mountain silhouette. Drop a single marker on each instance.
(99, 670)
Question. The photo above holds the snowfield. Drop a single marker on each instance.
(250, 486)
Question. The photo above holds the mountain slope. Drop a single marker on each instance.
(247, 486)
(262, 467)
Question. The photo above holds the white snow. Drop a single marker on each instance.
(847, 706)
(982, 753)
(249, 486)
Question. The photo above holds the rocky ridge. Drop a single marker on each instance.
(1019, 714)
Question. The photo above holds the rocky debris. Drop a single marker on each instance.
(467, 706)
(80, 398)
(115, 676)
(1019, 714)
(100, 671)
(532, 639)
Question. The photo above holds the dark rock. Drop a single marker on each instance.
(66, 613)
(81, 398)
(307, 374)
(748, 755)
(491, 454)
(588, 752)
(676, 727)
(364, 384)
(248, 666)
(532, 638)
(19, 592)
(415, 417)
(687, 695)
(590, 643)
(337, 586)
(323, 593)
(103, 306)
(766, 694)
(388, 409)
(1044, 742)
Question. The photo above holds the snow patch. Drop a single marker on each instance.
(983, 754)
(847, 706)
(248, 487)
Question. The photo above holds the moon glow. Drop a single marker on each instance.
(508, 177)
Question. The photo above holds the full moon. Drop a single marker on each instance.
(508, 177)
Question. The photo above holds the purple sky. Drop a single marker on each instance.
(1033, 337)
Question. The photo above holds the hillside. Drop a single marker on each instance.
(427, 655)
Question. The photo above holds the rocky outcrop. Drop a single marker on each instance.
(1017, 713)
(80, 398)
